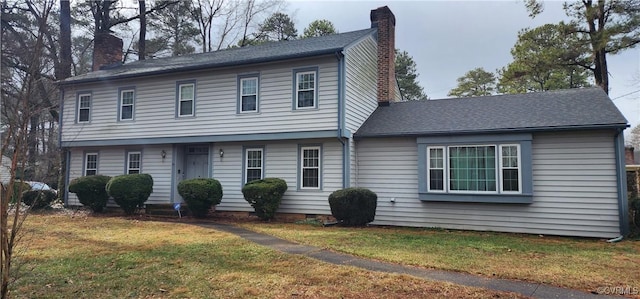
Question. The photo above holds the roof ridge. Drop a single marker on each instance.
(262, 45)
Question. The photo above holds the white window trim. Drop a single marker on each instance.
(498, 167)
(242, 80)
(246, 162)
(181, 100)
(444, 169)
(302, 167)
(80, 96)
(122, 105)
(129, 162)
(86, 163)
(502, 168)
(315, 89)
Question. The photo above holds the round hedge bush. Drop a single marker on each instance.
(38, 199)
(200, 195)
(91, 191)
(353, 206)
(265, 196)
(130, 191)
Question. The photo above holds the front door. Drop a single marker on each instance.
(197, 164)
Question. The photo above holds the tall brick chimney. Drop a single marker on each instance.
(383, 19)
(107, 51)
(629, 157)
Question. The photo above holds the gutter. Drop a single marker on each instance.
(493, 131)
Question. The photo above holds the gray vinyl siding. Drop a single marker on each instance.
(111, 162)
(361, 82)
(574, 189)
(353, 163)
(281, 162)
(215, 104)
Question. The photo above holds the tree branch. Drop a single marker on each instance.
(152, 10)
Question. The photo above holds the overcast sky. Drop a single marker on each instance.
(449, 38)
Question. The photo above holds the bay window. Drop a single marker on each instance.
(476, 169)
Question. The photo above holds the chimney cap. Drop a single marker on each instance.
(379, 13)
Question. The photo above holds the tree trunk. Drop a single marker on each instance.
(65, 40)
(66, 61)
(142, 45)
(598, 42)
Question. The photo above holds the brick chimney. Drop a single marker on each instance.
(629, 158)
(383, 19)
(107, 51)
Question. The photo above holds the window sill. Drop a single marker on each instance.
(477, 198)
(309, 190)
(310, 108)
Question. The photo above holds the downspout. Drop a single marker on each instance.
(623, 208)
(173, 173)
(67, 167)
(341, 120)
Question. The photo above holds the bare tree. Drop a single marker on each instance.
(29, 63)
(251, 13)
(205, 11)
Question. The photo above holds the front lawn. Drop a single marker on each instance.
(110, 257)
(586, 264)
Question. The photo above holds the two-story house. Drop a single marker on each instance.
(325, 113)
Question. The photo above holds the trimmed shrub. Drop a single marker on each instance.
(38, 199)
(91, 191)
(353, 206)
(265, 196)
(130, 191)
(200, 194)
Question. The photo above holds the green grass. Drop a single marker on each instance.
(111, 257)
(568, 262)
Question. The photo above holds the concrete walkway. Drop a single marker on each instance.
(536, 290)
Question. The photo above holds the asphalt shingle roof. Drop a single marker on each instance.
(562, 109)
(236, 56)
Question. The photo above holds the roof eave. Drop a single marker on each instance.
(198, 67)
(494, 131)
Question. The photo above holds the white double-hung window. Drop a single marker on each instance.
(186, 99)
(306, 86)
(90, 164)
(84, 108)
(134, 162)
(248, 94)
(310, 167)
(254, 168)
(127, 104)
